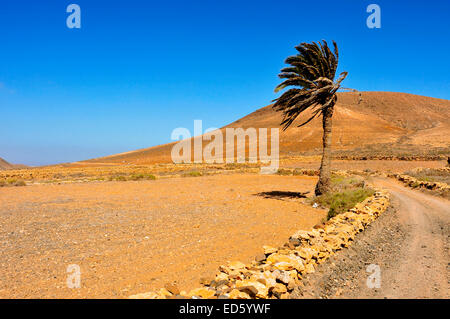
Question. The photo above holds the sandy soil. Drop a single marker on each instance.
(132, 237)
(410, 243)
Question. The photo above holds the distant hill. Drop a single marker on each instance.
(366, 124)
(5, 165)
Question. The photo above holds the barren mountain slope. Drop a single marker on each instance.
(365, 124)
(4, 164)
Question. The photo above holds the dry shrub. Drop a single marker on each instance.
(346, 193)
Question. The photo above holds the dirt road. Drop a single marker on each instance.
(410, 244)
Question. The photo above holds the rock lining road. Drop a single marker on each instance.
(410, 243)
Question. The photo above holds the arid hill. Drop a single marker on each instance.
(365, 124)
(5, 165)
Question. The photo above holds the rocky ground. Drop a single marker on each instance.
(409, 243)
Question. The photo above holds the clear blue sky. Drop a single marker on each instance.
(138, 69)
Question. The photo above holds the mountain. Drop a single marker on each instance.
(365, 124)
(5, 165)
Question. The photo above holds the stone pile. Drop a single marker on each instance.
(276, 272)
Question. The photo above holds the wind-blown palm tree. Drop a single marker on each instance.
(311, 73)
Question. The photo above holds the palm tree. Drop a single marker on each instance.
(311, 73)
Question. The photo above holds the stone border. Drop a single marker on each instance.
(297, 171)
(315, 172)
(416, 183)
(278, 271)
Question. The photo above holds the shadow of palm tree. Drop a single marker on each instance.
(282, 194)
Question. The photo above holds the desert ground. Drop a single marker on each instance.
(130, 237)
(135, 222)
(133, 236)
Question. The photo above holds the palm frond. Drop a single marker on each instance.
(310, 75)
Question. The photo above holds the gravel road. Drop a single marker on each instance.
(409, 243)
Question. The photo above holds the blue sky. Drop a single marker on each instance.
(138, 69)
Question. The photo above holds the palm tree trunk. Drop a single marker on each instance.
(323, 185)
